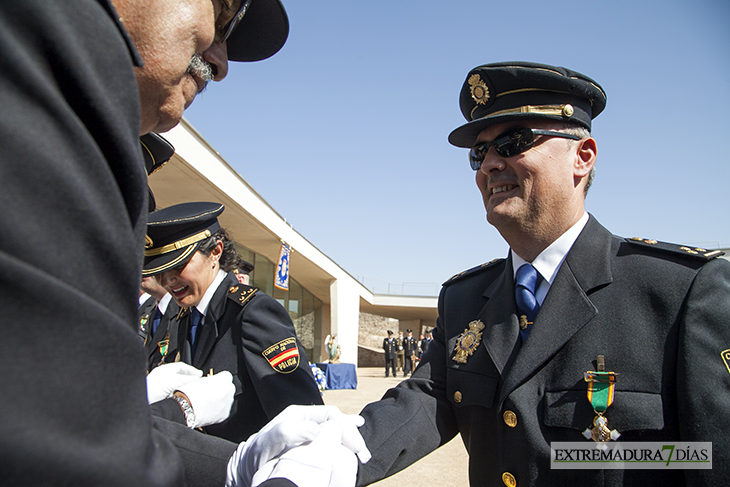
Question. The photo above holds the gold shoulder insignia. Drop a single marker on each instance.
(471, 271)
(241, 293)
(694, 252)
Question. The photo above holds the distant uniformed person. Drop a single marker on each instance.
(520, 341)
(409, 348)
(425, 342)
(223, 324)
(390, 348)
(400, 354)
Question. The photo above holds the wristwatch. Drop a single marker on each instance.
(187, 409)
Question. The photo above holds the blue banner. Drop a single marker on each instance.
(281, 279)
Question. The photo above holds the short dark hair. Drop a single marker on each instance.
(230, 259)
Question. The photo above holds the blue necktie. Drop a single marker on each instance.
(526, 282)
(156, 320)
(194, 322)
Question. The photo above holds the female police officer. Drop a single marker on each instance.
(223, 324)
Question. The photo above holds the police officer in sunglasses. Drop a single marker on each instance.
(521, 341)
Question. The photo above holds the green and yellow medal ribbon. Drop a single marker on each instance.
(601, 386)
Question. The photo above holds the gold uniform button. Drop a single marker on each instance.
(457, 396)
(509, 479)
(510, 418)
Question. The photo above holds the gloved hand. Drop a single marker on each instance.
(322, 462)
(292, 427)
(162, 381)
(210, 397)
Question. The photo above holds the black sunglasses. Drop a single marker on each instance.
(511, 143)
(231, 25)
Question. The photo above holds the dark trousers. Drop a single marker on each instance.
(407, 367)
(389, 362)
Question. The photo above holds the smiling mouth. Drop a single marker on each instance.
(503, 188)
(178, 291)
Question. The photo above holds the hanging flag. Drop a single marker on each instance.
(281, 280)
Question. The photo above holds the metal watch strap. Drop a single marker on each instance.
(187, 410)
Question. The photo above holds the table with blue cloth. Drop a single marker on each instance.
(339, 376)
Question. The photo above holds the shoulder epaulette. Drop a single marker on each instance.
(693, 252)
(472, 271)
(241, 293)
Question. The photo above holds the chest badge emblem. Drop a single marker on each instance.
(468, 341)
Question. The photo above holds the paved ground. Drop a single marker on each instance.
(446, 466)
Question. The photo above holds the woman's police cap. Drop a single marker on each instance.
(504, 92)
(175, 233)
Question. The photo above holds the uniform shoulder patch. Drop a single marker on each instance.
(283, 356)
(472, 271)
(693, 252)
(241, 293)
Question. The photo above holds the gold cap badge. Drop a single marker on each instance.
(148, 243)
(479, 90)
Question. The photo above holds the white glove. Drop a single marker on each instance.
(167, 378)
(322, 462)
(210, 397)
(292, 427)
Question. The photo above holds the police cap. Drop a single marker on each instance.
(505, 92)
(156, 151)
(261, 33)
(175, 233)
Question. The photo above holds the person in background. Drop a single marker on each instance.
(578, 335)
(400, 354)
(243, 272)
(226, 325)
(425, 342)
(419, 350)
(390, 347)
(409, 352)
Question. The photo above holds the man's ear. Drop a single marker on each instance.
(585, 158)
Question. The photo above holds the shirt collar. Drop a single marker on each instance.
(143, 298)
(550, 259)
(202, 306)
(164, 302)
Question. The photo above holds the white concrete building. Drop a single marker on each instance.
(322, 298)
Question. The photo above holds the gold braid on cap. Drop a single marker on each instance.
(177, 245)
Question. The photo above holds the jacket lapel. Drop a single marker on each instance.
(211, 331)
(567, 307)
(500, 319)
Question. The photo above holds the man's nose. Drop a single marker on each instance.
(164, 279)
(217, 55)
(492, 162)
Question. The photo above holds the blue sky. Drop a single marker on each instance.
(344, 131)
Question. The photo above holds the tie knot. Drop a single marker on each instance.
(527, 277)
(194, 316)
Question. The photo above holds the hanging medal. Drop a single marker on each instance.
(601, 387)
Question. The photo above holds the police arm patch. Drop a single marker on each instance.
(283, 356)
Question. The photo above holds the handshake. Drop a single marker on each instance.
(308, 445)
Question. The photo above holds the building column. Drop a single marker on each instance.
(345, 313)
